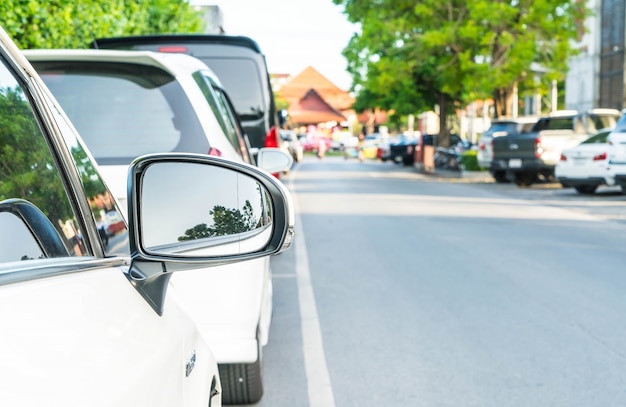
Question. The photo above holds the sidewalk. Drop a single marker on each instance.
(457, 176)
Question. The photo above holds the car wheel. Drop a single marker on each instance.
(500, 177)
(524, 179)
(241, 382)
(586, 189)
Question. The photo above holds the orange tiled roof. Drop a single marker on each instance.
(310, 78)
(313, 109)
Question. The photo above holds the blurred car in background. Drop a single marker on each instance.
(586, 166)
(500, 128)
(402, 149)
(131, 103)
(291, 143)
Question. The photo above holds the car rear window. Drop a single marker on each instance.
(242, 80)
(124, 110)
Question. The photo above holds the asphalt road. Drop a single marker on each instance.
(410, 290)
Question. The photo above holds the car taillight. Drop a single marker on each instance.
(173, 48)
(600, 157)
(563, 158)
(538, 147)
(215, 152)
(271, 139)
(481, 145)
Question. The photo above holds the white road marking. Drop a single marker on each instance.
(318, 380)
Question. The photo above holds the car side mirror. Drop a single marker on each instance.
(189, 211)
(274, 160)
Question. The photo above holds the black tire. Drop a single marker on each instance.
(524, 179)
(586, 189)
(500, 177)
(241, 382)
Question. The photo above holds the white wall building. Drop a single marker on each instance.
(582, 89)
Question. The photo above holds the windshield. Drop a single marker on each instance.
(124, 110)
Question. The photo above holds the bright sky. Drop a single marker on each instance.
(292, 34)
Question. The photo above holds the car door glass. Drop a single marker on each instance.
(29, 171)
(219, 110)
(111, 226)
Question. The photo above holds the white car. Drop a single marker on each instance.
(586, 166)
(617, 153)
(89, 324)
(130, 103)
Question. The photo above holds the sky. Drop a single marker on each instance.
(292, 34)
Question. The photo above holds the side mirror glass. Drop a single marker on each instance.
(274, 160)
(194, 210)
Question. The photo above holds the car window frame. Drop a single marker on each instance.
(42, 103)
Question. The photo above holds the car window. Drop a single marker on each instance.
(124, 110)
(601, 122)
(599, 138)
(222, 111)
(111, 226)
(242, 80)
(29, 173)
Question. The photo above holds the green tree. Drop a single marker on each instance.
(411, 55)
(75, 23)
(225, 222)
(27, 169)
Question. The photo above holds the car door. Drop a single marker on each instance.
(75, 332)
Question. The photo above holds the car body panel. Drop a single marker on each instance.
(96, 329)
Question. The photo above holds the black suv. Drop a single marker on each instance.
(239, 64)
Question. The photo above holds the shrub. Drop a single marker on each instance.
(469, 161)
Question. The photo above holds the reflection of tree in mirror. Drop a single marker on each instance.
(225, 222)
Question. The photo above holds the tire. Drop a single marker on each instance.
(524, 179)
(586, 189)
(500, 177)
(241, 382)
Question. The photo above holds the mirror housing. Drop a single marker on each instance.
(188, 211)
(274, 160)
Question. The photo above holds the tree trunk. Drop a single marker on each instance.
(502, 99)
(444, 135)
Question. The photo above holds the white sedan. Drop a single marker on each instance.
(586, 166)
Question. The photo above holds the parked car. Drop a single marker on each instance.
(586, 166)
(131, 103)
(529, 157)
(89, 324)
(499, 128)
(402, 149)
(292, 144)
(239, 63)
(617, 152)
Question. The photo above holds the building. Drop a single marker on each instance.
(596, 76)
(313, 99)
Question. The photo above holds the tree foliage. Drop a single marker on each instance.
(75, 23)
(226, 222)
(410, 55)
